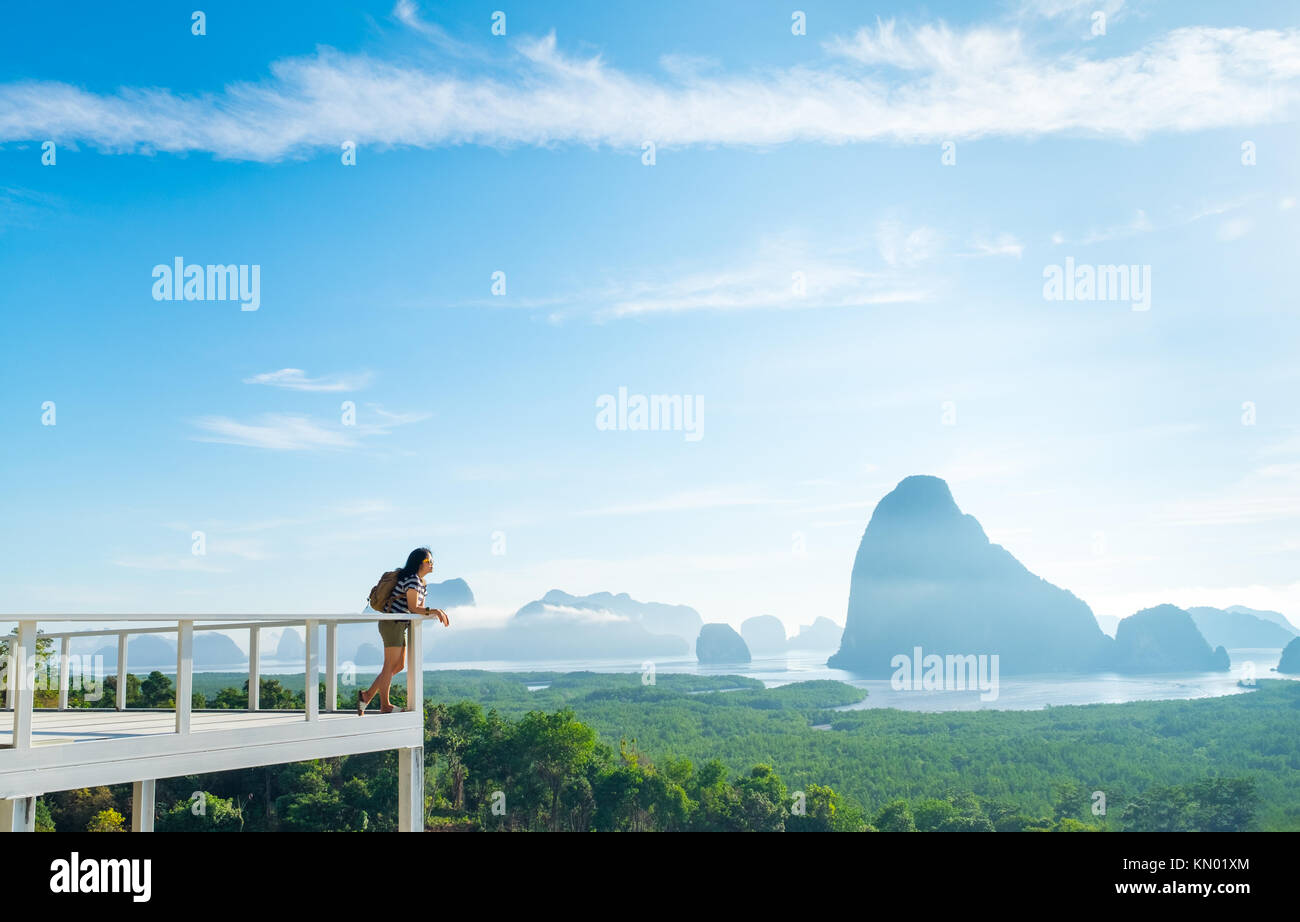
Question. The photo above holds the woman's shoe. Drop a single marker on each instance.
(361, 704)
(387, 710)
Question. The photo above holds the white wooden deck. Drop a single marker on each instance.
(59, 749)
(79, 725)
(85, 748)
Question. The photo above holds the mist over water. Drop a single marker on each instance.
(1018, 693)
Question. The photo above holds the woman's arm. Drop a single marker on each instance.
(412, 604)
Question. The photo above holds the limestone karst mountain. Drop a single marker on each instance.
(927, 576)
(1165, 639)
(720, 644)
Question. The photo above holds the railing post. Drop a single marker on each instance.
(331, 666)
(64, 643)
(184, 674)
(311, 702)
(20, 682)
(121, 671)
(414, 667)
(142, 805)
(254, 667)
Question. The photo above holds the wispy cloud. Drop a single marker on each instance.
(1001, 245)
(778, 273)
(1072, 10)
(1234, 229)
(883, 84)
(289, 432)
(685, 502)
(1140, 223)
(185, 563)
(908, 247)
(276, 432)
(1268, 493)
(296, 379)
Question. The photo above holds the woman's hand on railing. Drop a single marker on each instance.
(439, 614)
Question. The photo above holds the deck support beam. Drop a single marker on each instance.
(415, 667)
(64, 643)
(410, 789)
(184, 675)
(22, 682)
(311, 704)
(142, 805)
(254, 667)
(331, 667)
(121, 671)
(18, 815)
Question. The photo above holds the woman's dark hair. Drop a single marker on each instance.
(413, 561)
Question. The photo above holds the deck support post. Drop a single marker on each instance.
(184, 674)
(22, 682)
(410, 789)
(311, 702)
(121, 671)
(331, 667)
(18, 815)
(64, 643)
(254, 668)
(142, 805)
(415, 668)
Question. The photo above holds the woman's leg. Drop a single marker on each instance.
(393, 658)
(385, 677)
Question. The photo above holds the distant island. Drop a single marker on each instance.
(926, 576)
(561, 626)
(719, 644)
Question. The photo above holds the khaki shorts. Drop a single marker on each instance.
(393, 632)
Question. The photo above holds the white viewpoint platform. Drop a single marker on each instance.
(61, 748)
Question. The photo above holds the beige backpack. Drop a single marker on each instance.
(382, 593)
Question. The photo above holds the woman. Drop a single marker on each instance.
(407, 598)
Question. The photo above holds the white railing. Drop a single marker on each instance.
(21, 684)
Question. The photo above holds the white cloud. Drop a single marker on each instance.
(782, 273)
(288, 432)
(947, 85)
(296, 379)
(187, 563)
(685, 502)
(765, 285)
(408, 14)
(1071, 9)
(1269, 493)
(277, 432)
(902, 247)
(1140, 224)
(569, 615)
(1002, 245)
(1234, 229)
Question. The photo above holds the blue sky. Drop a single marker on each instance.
(1104, 446)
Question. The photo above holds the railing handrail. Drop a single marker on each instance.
(219, 626)
(7, 617)
(23, 645)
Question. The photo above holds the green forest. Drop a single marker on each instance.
(593, 752)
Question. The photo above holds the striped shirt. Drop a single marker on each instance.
(397, 605)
